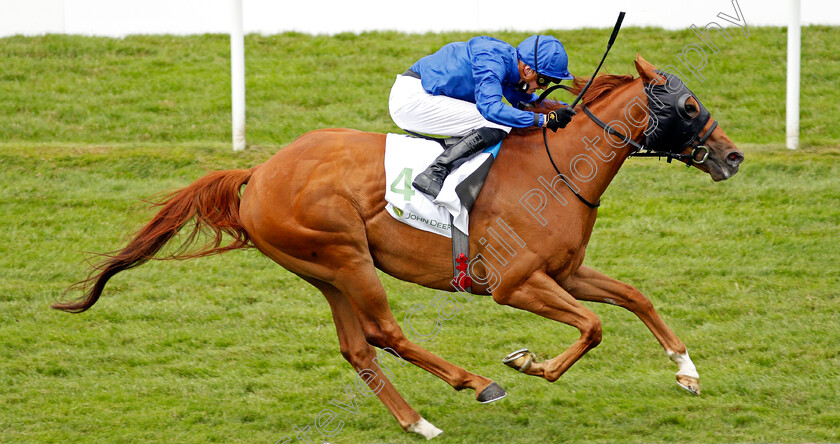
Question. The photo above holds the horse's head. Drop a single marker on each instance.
(680, 124)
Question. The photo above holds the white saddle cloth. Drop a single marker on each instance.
(405, 158)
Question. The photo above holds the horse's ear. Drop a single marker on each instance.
(647, 71)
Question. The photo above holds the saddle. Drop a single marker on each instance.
(448, 214)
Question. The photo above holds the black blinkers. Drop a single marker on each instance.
(673, 128)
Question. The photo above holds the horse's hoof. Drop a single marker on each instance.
(689, 383)
(492, 392)
(424, 428)
(520, 360)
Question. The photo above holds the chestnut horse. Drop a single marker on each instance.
(317, 208)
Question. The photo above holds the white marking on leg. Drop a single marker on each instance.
(684, 363)
(425, 429)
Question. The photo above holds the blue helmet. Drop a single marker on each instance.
(545, 55)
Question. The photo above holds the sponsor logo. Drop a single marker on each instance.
(430, 222)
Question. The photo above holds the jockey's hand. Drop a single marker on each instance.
(560, 118)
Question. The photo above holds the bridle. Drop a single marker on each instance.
(639, 150)
(644, 151)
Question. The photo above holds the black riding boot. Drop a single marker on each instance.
(429, 182)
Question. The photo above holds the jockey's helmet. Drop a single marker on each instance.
(545, 55)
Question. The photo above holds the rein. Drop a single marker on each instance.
(614, 34)
(548, 151)
(563, 176)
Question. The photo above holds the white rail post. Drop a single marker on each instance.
(237, 75)
(794, 45)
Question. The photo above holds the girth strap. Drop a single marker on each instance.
(460, 258)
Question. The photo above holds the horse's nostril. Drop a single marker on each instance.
(735, 158)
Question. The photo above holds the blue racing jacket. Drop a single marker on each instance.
(482, 71)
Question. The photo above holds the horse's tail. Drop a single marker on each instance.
(211, 202)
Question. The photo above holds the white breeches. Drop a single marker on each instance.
(414, 109)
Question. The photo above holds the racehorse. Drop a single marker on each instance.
(317, 208)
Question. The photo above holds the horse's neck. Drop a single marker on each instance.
(585, 154)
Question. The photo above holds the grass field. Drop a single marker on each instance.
(233, 348)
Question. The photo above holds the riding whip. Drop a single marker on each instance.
(589, 83)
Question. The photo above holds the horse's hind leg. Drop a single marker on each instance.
(318, 233)
(365, 292)
(590, 285)
(362, 356)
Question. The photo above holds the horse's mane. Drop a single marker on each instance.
(600, 86)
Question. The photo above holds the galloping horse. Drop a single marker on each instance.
(317, 208)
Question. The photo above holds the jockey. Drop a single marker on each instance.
(458, 91)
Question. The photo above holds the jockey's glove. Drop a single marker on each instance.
(560, 118)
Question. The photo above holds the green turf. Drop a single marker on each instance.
(234, 349)
(70, 89)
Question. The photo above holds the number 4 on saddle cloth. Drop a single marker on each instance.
(448, 214)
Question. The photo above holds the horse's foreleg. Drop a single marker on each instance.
(541, 295)
(362, 356)
(590, 285)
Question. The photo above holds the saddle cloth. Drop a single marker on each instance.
(405, 158)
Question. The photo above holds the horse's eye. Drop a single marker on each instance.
(688, 107)
(691, 110)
